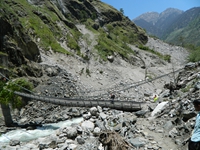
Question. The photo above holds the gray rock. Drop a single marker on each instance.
(71, 132)
(72, 146)
(151, 128)
(39, 120)
(197, 85)
(117, 127)
(79, 129)
(51, 71)
(188, 115)
(93, 111)
(147, 94)
(168, 125)
(173, 133)
(42, 146)
(178, 142)
(128, 118)
(14, 142)
(86, 116)
(80, 140)
(140, 113)
(103, 115)
(136, 142)
(61, 140)
(99, 109)
(110, 58)
(96, 131)
(190, 65)
(100, 124)
(88, 125)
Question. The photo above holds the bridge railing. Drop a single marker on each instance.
(121, 105)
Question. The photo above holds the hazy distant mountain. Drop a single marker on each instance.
(173, 25)
(186, 29)
(156, 23)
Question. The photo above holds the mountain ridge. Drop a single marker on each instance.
(174, 28)
(161, 21)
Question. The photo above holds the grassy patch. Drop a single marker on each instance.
(194, 55)
(72, 43)
(88, 72)
(89, 23)
(46, 29)
(3, 54)
(164, 57)
(113, 41)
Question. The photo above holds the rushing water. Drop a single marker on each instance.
(24, 135)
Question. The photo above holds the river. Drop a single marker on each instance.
(24, 135)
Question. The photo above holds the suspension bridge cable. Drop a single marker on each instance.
(17, 84)
(126, 87)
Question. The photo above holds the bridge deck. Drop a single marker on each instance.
(72, 102)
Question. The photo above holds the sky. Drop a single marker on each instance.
(134, 8)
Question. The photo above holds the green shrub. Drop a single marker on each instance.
(7, 91)
(164, 57)
(81, 71)
(88, 72)
(71, 43)
(194, 55)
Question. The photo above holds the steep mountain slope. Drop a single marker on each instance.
(166, 18)
(148, 21)
(150, 17)
(158, 23)
(28, 26)
(173, 26)
(185, 30)
(94, 44)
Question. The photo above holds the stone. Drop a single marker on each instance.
(39, 120)
(103, 115)
(173, 133)
(110, 58)
(99, 109)
(190, 65)
(158, 108)
(136, 142)
(71, 132)
(93, 111)
(140, 113)
(14, 142)
(86, 116)
(168, 125)
(100, 124)
(87, 125)
(79, 129)
(96, 131)
(178, 142)
(80, 140)
(72, 146)
(197, 85)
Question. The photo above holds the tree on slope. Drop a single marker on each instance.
(8, 98)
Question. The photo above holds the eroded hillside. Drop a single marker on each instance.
(30, 26)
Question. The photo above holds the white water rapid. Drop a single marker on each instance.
(24, 135)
